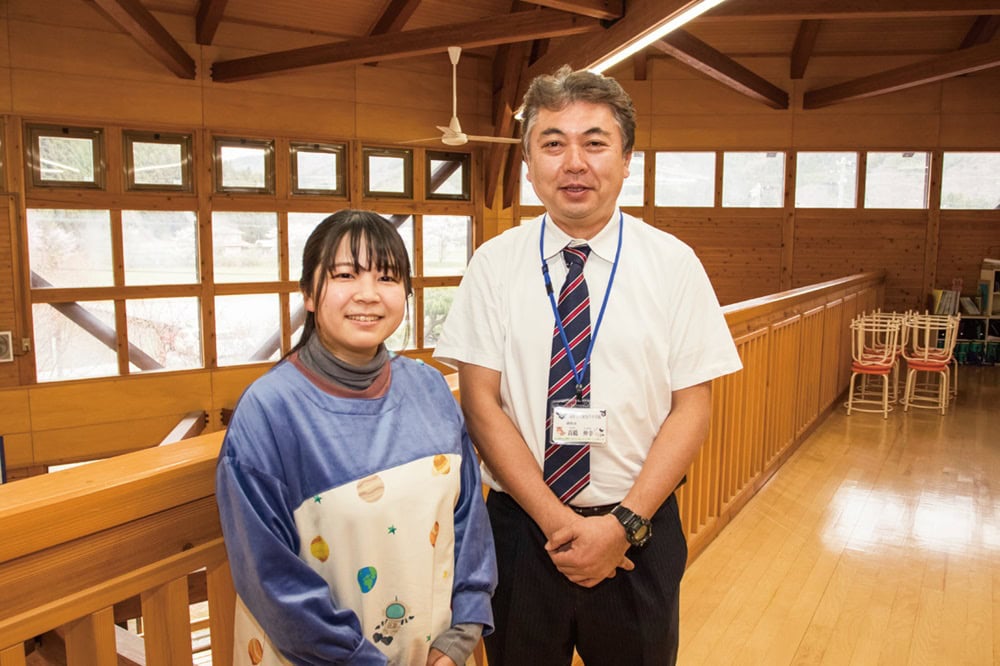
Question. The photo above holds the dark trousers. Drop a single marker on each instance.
(540, 616)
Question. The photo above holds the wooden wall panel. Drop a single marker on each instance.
(965, 239)
(62, 405)
(102, 440)
(833, 244)
(740, 249)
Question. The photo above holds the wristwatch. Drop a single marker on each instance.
(638, 530)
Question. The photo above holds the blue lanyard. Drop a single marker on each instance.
(578, 375)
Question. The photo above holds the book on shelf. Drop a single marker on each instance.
(969, 306)
(945, 301)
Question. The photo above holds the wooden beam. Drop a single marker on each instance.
(697, 54)
(771, 10)
(512, 176)
(395, 16)
(966, 61)
(640, 65)
(585, 52)
(207, 22)
(143, 27)
(983, 30)
(514, 65)
(805, 42)
(491, 31)
(608, 10)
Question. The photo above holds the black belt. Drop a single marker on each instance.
(594, 510)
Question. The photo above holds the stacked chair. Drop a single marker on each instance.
(930, 358)
(876, 345)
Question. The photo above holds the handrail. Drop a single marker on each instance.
(77, 541)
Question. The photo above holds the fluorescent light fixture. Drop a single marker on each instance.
(655, 32)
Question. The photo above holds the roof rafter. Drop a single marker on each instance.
(838, 9)
(608, 10)
(491, 31)
(207, 22)
(805, 42)
(515, 58)
(956, 63)
(395, 16)
(983, 30)
(582, 53)
(150, 34)
(697, 54)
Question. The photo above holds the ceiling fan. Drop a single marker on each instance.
(452, 135)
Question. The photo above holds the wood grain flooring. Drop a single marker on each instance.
(878, 542)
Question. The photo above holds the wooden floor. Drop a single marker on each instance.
(878, 542)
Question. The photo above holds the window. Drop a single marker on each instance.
(74, 340)
(69, 248)
(826, 180)
(448, 176)
(388, 172)
(685, 179)
(244, 165)
(970, 181)
(897, 180)
(300, 225)
(160, 247)
(155, 161)
(753, 180)
(245, 246)
(167, 330)
(318, 168)
(447, 244)
(120, 289)
(245, 327)
(528, 196)
(632, 193)
(66, 156)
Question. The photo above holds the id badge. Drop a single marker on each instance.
(575, 423)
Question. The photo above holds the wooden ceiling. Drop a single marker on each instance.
(940, 39)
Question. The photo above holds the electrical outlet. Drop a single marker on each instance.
(25, 345)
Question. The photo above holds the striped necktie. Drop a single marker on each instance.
(567, 467)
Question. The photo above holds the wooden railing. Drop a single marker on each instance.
(76, 542)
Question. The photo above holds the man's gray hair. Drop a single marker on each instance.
(557, 91)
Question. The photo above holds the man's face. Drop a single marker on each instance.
(577, 166)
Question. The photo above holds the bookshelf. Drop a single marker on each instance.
(979, 335)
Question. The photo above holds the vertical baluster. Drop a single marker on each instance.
(90, 640)
(166, 621)
(221, 607)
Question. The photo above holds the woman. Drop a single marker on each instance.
(348, 488)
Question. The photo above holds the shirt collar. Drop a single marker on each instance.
(604, 244)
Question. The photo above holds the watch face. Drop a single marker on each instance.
(641, 533)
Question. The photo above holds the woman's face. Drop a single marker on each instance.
(357, 310)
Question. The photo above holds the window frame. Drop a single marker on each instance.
(185, 141)
(338, 149)
(35, 131)
(220, 142)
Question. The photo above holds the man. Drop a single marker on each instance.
(586, 412)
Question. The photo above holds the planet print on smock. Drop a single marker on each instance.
(371, 488)
(319, 549)
(366, 579)
(441, 464)
(256, 651)
(434, 533)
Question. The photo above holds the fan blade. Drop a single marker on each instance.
(492, 139)
(426, 140)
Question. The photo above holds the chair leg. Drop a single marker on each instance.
(850, 393)
(908, 391)
(885, 395)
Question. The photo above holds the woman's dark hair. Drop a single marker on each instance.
(383, 246)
